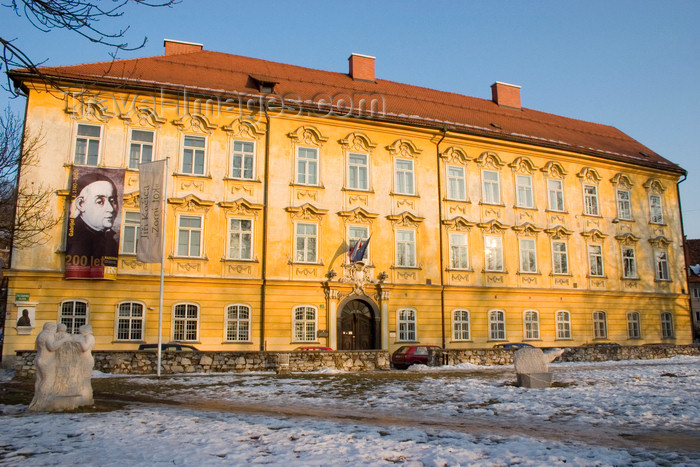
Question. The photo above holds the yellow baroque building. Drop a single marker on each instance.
(487, 222)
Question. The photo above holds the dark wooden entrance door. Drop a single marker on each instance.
(357, 327)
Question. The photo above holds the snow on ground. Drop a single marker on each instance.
(418, 417)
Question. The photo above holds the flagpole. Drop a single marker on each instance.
(162, 266)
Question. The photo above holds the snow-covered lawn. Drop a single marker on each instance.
(614, 413)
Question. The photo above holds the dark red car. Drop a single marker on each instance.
(410, 354)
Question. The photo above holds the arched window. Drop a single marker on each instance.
(600, 325)
(74, 313)
(563, 325)
(238, 323)
(407, 324)
(186, 322)
(666, 325)
(531, 321)
(633, 325)
(497, 325)
(304, 324)
(460, 325)
(130, 318)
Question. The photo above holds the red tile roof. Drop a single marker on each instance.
(215, 74)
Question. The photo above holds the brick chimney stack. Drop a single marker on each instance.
(173, 47)
(506, 95)
(361, 67)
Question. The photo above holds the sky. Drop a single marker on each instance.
(631, 64)
(642, 413)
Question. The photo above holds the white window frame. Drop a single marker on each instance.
(661, 265)
(667, 330)
(590, 200)
(405, 248)
(459, 250)
(595, 260)
(130, 319)
(138, 146)
(531, 325)
(86, 142)
(237, 328)
(497, 325)
(406, 325)
(555, 195)
(193, 234)
(563, 319)
(242, 155)
(524, 194)
(461, 330)
(303, 326)
(404, 177)
(356, 171)
(193, 153)
(624, 204)
(490, 189)
(131, 229)
(634, 325)
(307, 168)
(629, 262)
(493, 254)
(73, 318)
(560, 267)
(353, 238)
(187, 323)
(456, 183)
(600, 325)
(528, 256)
(306, 244)
(656, 209)
(238, 237)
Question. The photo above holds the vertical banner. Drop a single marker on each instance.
(150, 241)
(92, 241)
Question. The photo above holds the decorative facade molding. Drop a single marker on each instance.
(554, 170)
(357, 141)
(359, 275)
(358, 215)
(406, 219)
(307, 211)
(131, 200)
(458, 223)
(489, 160)
(195, 122)
(241, 206)
(455, 155)
(590, 175)
(404, 148)
(558, 232)
(307, 135)
(91, 107)
(654, 186)
(243, 127)
(594, 235)
(660, 242)
(522, 165)
(622, 181)
(627, 239)
(143, 116)
(527, 228)
(493, 226)
(191, 203)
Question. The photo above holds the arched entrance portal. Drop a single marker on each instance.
(358, 325)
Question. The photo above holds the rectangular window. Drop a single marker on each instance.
(456, 186)
(497, 325)
(590, 200)
(189, 236)
(404, 176)
(304, 324)
(406, 248)
(459, 251)
(355, 234)
(73, 315)
(656, 212)
(130, 232)
(629, 263)
(460, 325)
(141, 148)
(185, 322)
(633, 327)
(243, 159)
(528, 255)
(493, 253)
(555, 194)
(491, 187)
(87, 144)
(240, 239)
(595, 260)
(666, 325)
(600, 325)
(358, 171)
(563, 325)
(407, 325)
(238, 323)
(624, 205)
(130, 322)
(523, 191)
(306, 243)
(560, 258)
(193, 154)
(307, 166)
(661, 259)
(532, 325)
(696, 292)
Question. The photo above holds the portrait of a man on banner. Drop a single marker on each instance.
(92, 240)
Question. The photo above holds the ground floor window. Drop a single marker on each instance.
(531, 320)
(666, 325)
(460, 325)
(600, 325)
(130, 321)
(497, 325)
(407, 325)
(186, 322)
(304, 324)
(633, 325)
(73, 315)
(563, 325)
(238, 323)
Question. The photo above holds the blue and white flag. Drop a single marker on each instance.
(357, 252)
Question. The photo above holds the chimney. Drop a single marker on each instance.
(506, 95)
(361, 67)
(173, 47)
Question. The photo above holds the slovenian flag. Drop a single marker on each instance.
(357, 252)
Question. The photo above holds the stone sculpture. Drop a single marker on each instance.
(64, 365)
(531, 366)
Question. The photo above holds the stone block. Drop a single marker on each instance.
(535, 380)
